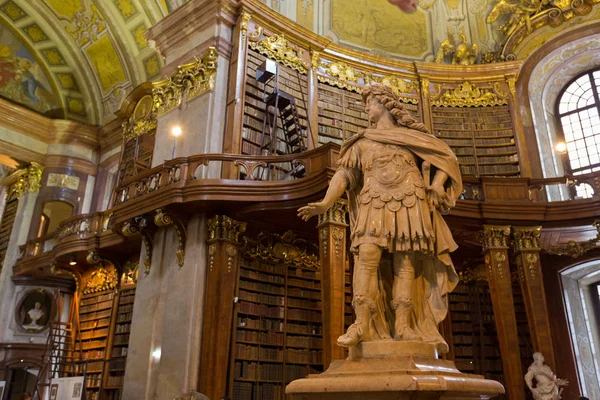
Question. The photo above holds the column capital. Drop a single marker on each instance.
(495, 237)
(221, 227)
(526, 238)
(335, 214)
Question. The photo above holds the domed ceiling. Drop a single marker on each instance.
(77, 59)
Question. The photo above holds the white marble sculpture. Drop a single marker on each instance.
(547, 385)
(35, 314)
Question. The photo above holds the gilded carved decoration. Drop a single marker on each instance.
(162, 219)
(495, 237)
(245, 19)
(284, 249)
(576, 249)
(467, 94)
(221, 227)
(212, 250)
(231, 252)
(344, 76)
(526, 238)
(101, 279)
(336, 213)
(472, 274)
(93, 257)
(338, 235)
(522, 17)
(55, 270)
(279, 49)
(189, 81)
(130, 228)
(26, 180)
(130, 272)
(142, 120)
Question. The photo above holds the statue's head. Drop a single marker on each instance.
(380, 99)
(538, 358)
(38, 305)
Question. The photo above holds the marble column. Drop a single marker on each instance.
(527, 251)
(25, 188)
(166, 328)
(495, 250)
(332, 243)
(224, 241)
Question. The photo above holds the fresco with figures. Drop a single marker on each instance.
(22, 79)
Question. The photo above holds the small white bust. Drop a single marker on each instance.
(547, 385)
(35, 314)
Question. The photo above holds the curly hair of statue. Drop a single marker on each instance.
(386, 97)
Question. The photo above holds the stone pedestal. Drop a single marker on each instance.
(390, 370)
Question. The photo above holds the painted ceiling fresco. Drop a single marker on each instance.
(77, 59)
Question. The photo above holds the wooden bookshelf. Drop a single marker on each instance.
(481, 137)
(115, 369)
(474, 335)
(525, 345)
(278, 329)
(342, 113)
(95, 313)
(289, 82)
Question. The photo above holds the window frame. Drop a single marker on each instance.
(558, 117)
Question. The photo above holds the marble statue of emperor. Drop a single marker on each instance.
(399, 179)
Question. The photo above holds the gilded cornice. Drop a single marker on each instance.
(576, 249)
(467, 94)
(284, 249)
(495, 237)
(191, 80)
(221, 227)
(526, 238)
(26, 180)
(277, 47)
(346, 76)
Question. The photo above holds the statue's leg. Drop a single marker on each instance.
(402, 301)
(365, 287)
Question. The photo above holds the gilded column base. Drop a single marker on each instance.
(390, 370)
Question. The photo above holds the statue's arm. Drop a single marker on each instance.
(437, 193)
(529, 379)
(336, 189)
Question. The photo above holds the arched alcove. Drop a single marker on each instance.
(582, 302)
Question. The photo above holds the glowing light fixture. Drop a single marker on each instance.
(561, 147)
(72, 261)
(156, 354)
(176, 131)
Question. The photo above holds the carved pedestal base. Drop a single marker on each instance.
(390, 370)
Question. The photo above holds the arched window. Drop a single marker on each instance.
(579, 116)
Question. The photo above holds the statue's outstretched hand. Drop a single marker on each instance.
(437, 197)
(312, 209)
(562, 382)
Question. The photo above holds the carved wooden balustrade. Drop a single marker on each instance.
(74, 228)
(183, 171)
(522, 200)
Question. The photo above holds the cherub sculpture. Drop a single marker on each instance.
(547, 385)
(462, 54)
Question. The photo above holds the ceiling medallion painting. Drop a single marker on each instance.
(379, 25)
(92, 52)
(23, 79)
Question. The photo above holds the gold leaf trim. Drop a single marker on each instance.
(278, 48)
(189, 81)
(468, 95)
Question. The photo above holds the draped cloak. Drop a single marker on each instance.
(435, 275)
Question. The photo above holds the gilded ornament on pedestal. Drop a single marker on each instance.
(462, 53)
(279, 49)
(221, 227)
